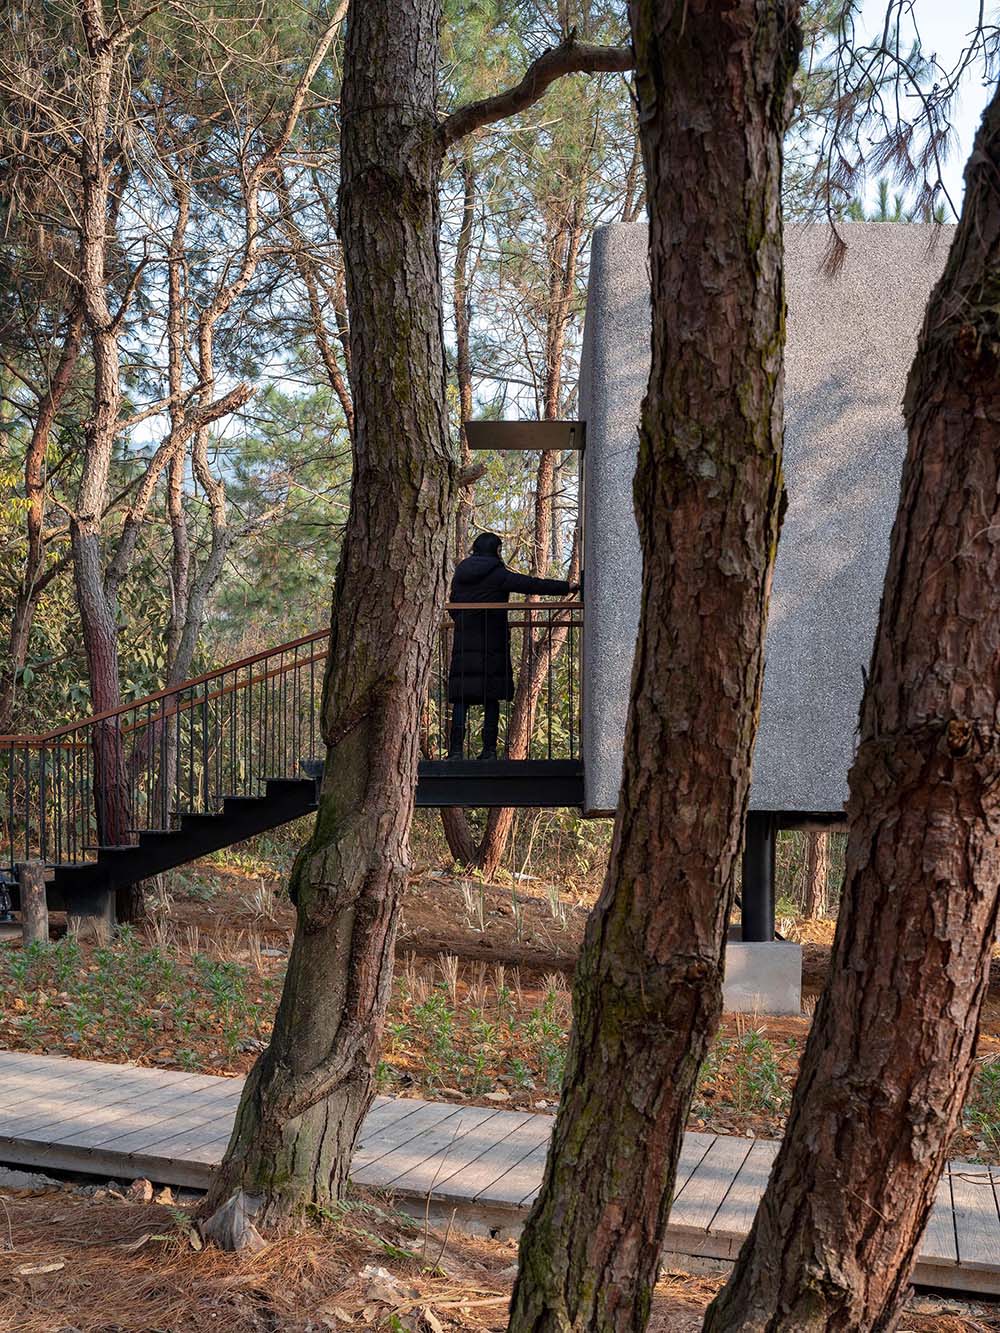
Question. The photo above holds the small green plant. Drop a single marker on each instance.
(756, 1074)
(982, 1105)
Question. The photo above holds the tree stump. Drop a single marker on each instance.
(34, 908)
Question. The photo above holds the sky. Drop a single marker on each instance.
(944, 25)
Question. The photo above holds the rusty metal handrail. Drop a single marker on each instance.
(232, 667)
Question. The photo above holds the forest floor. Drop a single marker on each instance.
(93, 1260)
(480, 1013)
(480, 1010)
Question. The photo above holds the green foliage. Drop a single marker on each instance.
(295, 463)
(465, 1055)
(982, 1106)
(132, 997)
(742, 1074)
(892, 207)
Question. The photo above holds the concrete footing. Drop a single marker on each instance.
(763, 978)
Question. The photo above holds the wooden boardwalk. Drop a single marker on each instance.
(484, 1165)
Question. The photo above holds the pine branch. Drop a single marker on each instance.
(569, 57)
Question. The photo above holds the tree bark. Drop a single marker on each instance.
(462, 306)
(306, 1096)
(889, 1056)
(817, 873)
(34, 905)
(98, 623)
(714, 88)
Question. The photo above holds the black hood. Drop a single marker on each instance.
(487, 543)
(474, 568)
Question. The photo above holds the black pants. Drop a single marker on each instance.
(491, 725)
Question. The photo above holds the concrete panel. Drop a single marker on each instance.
(851, 338)
(762, 978)
(613, 373)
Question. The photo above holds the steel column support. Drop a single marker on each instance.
(758, 877)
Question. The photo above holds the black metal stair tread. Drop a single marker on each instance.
(151, 834)
(471, 768)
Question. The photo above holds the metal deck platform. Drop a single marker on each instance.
(483, 1165)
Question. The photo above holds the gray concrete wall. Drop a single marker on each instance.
(851, 338)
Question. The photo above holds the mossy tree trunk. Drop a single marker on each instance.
(714, 85)
(306, 1096)
(887, 1065)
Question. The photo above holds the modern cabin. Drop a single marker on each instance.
(851, 336)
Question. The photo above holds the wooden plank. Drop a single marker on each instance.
(10, 1060)
(389, 1109)
(476, 1179)
(520, 1185)
(103, 1086)
(176, 1139)
(21, 1089)
(523, 1175)
(204, 1143)
(949, 1277)
(93, 1112)
(697, 1202)
(426, 1116)
(424, 1156)
(117, 1119)
(209, 1153)
(977, 1222)
(134, 1128)
(71, 1069)
(460, 1155)
(385, 1113)
(939, 1245)
(694, 1146)
(735, 1213)
(68, 1103)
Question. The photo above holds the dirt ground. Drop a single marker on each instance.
(480, 1011)
(71, 1263)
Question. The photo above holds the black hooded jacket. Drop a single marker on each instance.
(480, 657)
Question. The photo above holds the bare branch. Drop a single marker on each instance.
(569, 57)
(471, 474)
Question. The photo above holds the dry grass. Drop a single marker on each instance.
(131, 1268)
(113, 1266)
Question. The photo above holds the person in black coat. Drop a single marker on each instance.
(481, 671)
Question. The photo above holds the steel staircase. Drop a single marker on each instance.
(118, 797)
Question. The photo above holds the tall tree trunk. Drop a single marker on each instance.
(887, 1064)
(36, 578)
(714, 89)
(306, 1096)
(97, 615)
(817, 873)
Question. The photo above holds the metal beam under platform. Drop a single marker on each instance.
(478, 783)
